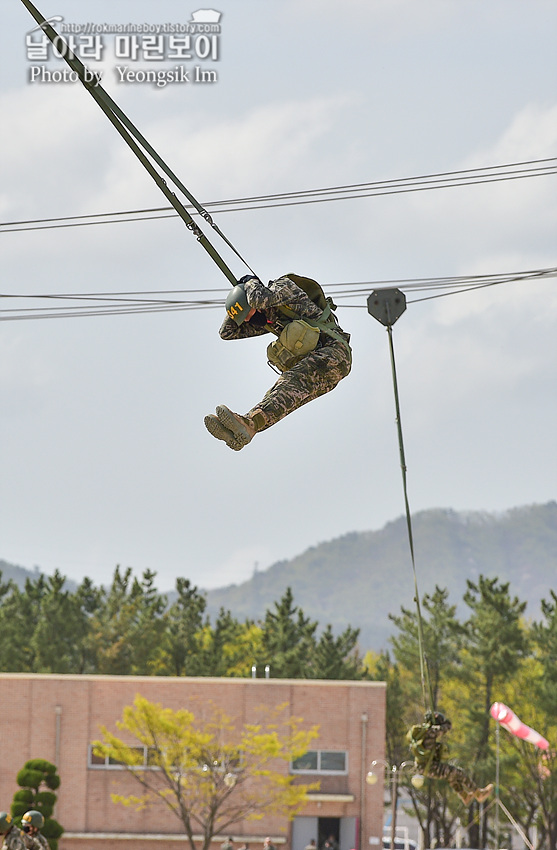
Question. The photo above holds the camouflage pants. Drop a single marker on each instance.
(455, 776)
(317, 374)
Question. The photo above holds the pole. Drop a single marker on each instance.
(363, 781)
(394, 794)
(497, 786)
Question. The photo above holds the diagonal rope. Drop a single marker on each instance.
(139, 146)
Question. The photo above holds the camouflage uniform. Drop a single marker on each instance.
(35, 842)
(317, 373)
(429, 754)
(13, 839)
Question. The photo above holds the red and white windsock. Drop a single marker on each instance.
(507, 718)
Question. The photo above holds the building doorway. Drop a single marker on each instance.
(305, 830)
(328, 828)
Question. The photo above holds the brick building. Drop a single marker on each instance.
(56, 717)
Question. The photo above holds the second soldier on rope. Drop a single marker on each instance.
(430, 752)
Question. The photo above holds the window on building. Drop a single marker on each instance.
(321, 761)
(106, 762)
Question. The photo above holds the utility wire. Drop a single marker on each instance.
(73, 305)
(425, 182)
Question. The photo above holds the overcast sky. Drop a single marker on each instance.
(105, 459)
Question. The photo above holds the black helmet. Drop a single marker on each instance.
(236, 304)
(436, 718)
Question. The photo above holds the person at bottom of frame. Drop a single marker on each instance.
(10, 835)
(312, 353)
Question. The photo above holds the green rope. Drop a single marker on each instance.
(132, 137)
(423, 665)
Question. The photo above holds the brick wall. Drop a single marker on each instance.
(57, 717)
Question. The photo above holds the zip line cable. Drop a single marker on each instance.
(156, 301)
(441, 180)
(140, 147)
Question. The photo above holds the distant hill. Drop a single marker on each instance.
(362, 577)
(17, 574)
(359, 578)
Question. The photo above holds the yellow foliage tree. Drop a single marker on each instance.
(211, 773)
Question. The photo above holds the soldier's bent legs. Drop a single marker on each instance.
(455, 776)
(318, 373)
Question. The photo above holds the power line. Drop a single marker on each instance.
(425, 182)
(158, 301)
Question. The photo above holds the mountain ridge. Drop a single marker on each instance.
(361, 577)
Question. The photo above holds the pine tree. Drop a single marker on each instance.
(60, 629)
(495, 647)
(34, 774)
(288, 640)
(127, 627)
(442, 640)
(337, 658)
(183, 632)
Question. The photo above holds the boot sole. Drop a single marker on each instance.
(231, 423)
(216, 428)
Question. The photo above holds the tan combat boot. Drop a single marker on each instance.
(241, 427)
(483, 793)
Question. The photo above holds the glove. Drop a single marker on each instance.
(248, 277)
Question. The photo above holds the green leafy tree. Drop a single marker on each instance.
(21, 613)
(35, 774)
(11, 656)
(238, 652)
(288, 640)
(337, 657)
(442, 640)
(229, 646)
(527, 778)
(60, 629)
(183, 632)
(544, 770)
(544, 634)
(435, 807)
(495, 647)
(211, 773)
(385, 670)
(45, 627)
(128, 626)
(89, 599)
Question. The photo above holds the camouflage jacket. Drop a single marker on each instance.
(35, 842)
(268, 318)
(13, 839)
(425, 744)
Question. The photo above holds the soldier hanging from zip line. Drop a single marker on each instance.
(311, 352)
(430, 754)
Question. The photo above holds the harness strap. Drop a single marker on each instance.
(136, 141)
